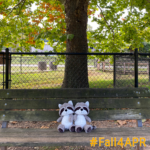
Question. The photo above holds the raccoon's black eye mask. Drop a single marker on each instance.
(70, 108)
(61, 111)
(80, 108)
(77, 108)
(85, 109)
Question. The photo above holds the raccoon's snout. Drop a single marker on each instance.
(81, 109)
(65, 109)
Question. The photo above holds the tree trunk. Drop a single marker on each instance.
(76, 71)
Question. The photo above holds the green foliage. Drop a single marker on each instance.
(121, 24)
(70, 36)
(145, 48)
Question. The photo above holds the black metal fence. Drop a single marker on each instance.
(47, 70)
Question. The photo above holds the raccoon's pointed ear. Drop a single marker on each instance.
(70, 102)
(59, 105)
(87, 103)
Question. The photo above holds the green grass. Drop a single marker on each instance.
(31, 78)
(50, 79)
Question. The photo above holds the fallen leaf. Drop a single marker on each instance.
(134, 121)
(44, 127)
(111, 120)
(14, 122)
(54, 121)
(143, 120)
(120, 122)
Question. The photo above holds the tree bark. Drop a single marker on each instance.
(76, 70)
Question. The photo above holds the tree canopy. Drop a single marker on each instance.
(121, 24)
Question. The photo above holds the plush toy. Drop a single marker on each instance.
(80, 117)
(66, 111)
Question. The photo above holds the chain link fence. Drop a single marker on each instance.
(39, 71)
(125, 71)
(144, 71)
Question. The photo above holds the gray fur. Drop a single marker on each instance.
(88, 119)
(59, 119)
(88, 128)
(73, 126)
(81, 104)
(71, 118)
(62, 127)
(80, 117)
(66, 111)
(75, 117)
(76, 127)
(65, 105)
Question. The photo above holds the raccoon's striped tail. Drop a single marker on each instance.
(93, 127)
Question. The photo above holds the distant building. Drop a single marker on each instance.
(47, 48)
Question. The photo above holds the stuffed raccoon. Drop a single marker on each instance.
(80, 117)
(66, 111)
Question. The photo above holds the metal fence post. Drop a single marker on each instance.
(7, 68)
(3, 71)
(136, 67)
(114, 72)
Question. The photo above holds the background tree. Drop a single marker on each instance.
(66, 22)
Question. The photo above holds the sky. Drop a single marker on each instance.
(93, 24)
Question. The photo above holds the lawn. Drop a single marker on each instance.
(31, 78)
(27, 75)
